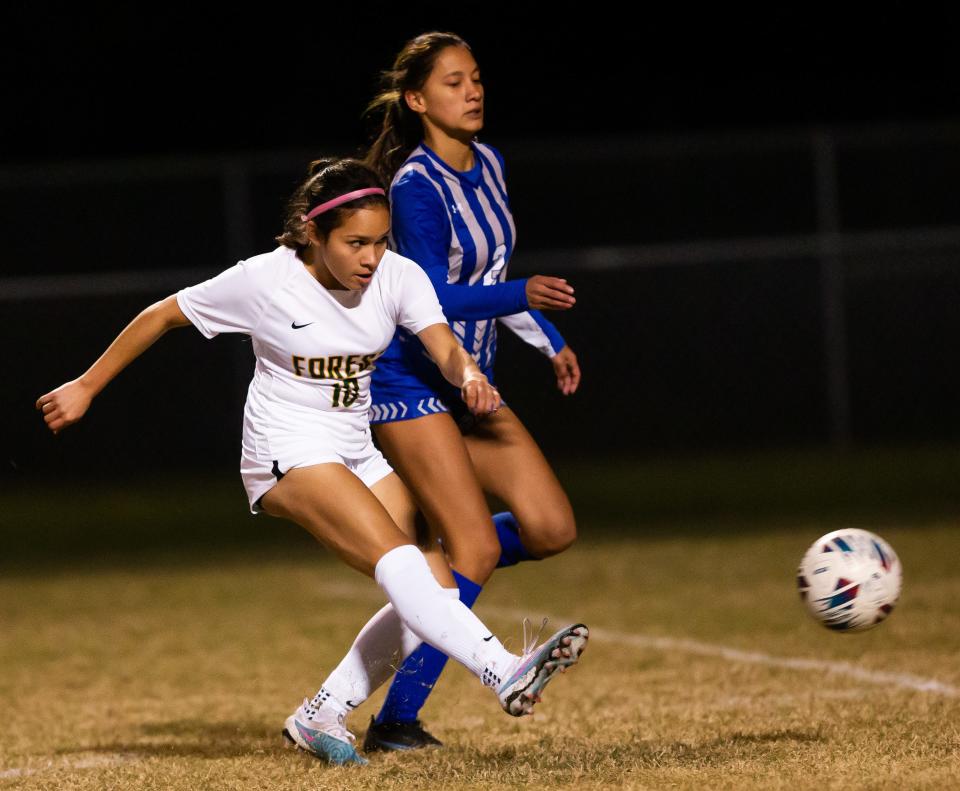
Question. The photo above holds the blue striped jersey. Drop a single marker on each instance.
(459, 228)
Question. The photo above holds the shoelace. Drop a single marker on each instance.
(531, 640)
(338, 731)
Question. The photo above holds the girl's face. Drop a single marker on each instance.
(451, 99)
(351, 253)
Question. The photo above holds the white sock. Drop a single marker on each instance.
(325, 705)
(438, 619)
(378, 650)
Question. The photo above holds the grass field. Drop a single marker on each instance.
(137, 658)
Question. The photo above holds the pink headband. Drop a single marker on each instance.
(342, 199)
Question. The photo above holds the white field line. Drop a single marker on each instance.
(839, 668)
(906, 681)
(697, 648)
(105, 761)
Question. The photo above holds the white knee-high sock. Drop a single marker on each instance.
(378, 650)
(438, 619)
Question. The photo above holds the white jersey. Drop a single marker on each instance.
(315, 349)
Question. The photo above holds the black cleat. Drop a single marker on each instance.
(398, 736)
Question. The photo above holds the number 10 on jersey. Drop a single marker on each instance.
(345, 393)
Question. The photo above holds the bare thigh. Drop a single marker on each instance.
(510, 465)
(431, 457)
(399, 503)
(336, 507)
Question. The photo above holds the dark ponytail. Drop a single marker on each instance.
(401, 130)
(327, 179)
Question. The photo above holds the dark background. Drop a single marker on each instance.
(113, 81)
(653, 133)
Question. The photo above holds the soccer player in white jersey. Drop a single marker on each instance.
(320, 309)
(451, 214)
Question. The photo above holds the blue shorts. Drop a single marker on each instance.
(397, 394)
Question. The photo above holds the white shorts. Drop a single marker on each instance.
(279, 437)
(260, 476)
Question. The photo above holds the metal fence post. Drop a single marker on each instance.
(832, 286)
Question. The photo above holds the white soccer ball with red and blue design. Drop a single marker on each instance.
(850, 580)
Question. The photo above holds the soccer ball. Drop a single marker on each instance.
(850, 580)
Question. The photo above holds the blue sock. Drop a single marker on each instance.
(512, 550)
(419, 672)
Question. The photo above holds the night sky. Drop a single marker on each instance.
(145, 80)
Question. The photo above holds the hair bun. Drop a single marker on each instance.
(320, 164)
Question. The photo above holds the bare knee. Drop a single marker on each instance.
(477, 558)
(549, 532)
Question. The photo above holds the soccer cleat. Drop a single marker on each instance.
(321, 733)
(398, 736)
(524, 686)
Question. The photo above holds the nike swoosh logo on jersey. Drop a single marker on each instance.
(296, 326)
(487, 639)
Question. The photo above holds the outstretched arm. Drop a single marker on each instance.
(459, 369)
(68, 403)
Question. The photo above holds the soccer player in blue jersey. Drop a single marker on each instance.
(451, 214)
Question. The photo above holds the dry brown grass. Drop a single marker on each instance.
(179, 677)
